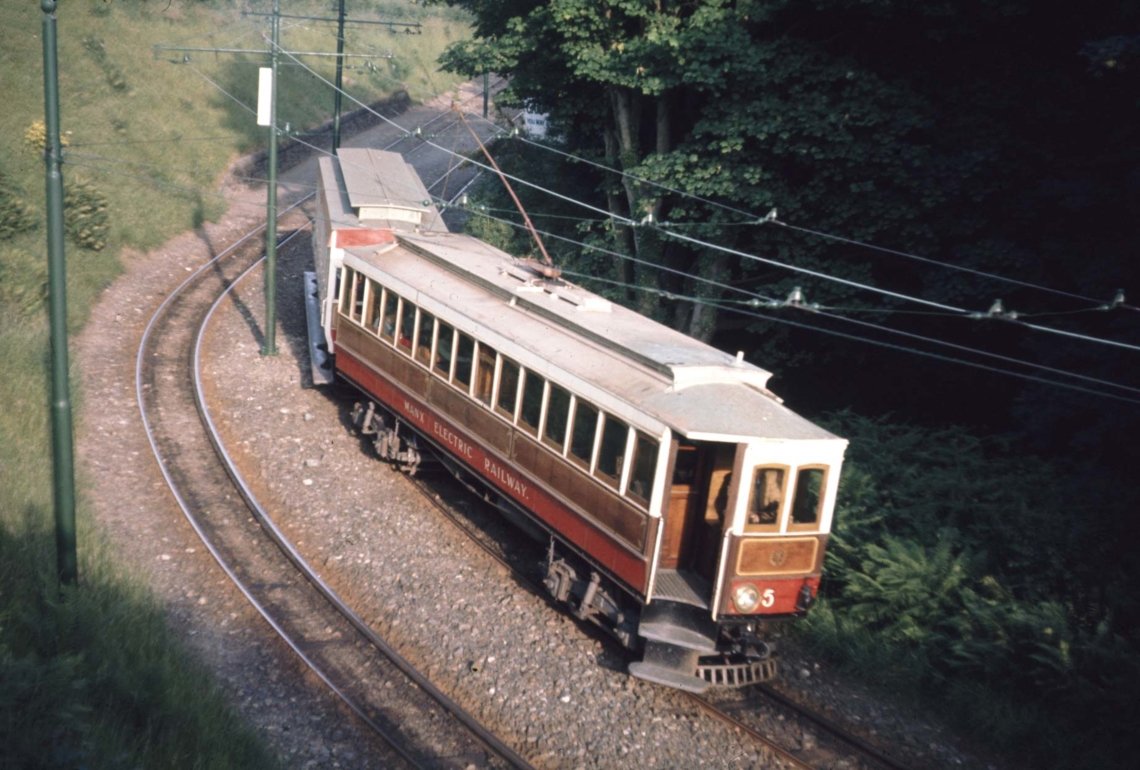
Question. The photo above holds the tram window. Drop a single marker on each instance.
(485, 374)
(685, 466)
(388, 321)
(644, 465)
(358, 284)
(423, 338)
(443, 344)
(372, 313)
(508, 389)
(612, 451)
(766, 498)
(342, 289)
(809, 495)
(463, 360)
(582, 435)
(533, 387)
(407, 326)
(557, 415)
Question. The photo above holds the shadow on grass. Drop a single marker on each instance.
(92, 676)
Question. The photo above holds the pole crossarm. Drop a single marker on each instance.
(407, 25)
(206, 49)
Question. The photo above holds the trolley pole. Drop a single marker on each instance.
(63, 465)
(269, 348)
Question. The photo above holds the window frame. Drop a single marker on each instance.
(437, 350)
(636, 498)
(782, 505)
(547, 399)
(388, 294)
(430, 347)
(463, 387)
(533, 430)
(586, 463)
(356, 307)
(496, 406)
(813, 526)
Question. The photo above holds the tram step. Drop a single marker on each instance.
(680, 625)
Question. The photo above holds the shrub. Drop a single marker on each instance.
(85, 214)
(35, 137)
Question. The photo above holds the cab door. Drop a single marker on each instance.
(698, 501)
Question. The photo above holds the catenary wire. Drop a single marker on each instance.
(775, 303)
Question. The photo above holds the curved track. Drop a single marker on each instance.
(393, 700)
(796, 736)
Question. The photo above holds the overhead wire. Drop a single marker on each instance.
(773, 303)
(609, 216)
(752, 219)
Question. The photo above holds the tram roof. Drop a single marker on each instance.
(373, 188)
(602, 351)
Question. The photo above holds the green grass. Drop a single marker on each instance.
(91, 677)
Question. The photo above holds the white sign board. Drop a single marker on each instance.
(534, 123)
(264, 95)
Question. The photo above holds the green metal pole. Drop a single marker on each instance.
(63, 465)
(269, 348)
(339, 75)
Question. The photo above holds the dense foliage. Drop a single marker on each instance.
(985, 570)
(972, 140)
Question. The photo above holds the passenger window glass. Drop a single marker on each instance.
(372, 315)
(557, 415)
(809, 495)
(585, 428)
(442, 364)
(644, 465)
(407, 326)
(388, 322)
(508, 388)
(612, 451)
(423, 339)
(463, 361)
(358, 285)
(685, 467)
(533, 385)
(766, 498)
(485, 374)
(343, 289)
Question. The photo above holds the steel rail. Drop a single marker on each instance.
(865, 750)
(313, 577)
(145, 345)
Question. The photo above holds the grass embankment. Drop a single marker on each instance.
(90, 676)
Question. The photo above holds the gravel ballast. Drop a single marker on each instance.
(558, 693)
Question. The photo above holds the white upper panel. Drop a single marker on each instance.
(626, 363)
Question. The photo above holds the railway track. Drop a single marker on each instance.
(418, 725)
(275, 580)
(796, 736)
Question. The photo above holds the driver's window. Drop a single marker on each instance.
(766, 499)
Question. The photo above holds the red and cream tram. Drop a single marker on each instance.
(684, 505)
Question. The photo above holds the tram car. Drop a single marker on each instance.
(682, 506)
